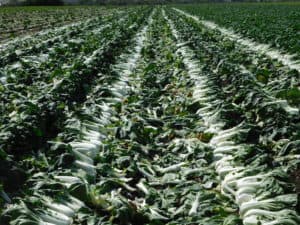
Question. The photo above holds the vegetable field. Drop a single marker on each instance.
(16, 21)
(163, 115)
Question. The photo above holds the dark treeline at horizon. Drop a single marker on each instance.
(117, 2)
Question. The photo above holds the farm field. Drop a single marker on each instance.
(17, 21)
(276, 24)
(160, 115)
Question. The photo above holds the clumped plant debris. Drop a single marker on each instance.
(144, 115)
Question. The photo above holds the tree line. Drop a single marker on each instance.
(98, 2)
(35, 2)
(111, 2)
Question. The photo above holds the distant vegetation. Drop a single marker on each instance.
(33, 2)
(41, 2)
(114, 2)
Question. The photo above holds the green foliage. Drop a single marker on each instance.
(121, 119)
(291, 94)
(271, 23)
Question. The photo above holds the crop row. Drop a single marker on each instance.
(19, 21)
(251, 131)
(74, 163)
(36, 113)
(277, 78)
(45, 42)
(56, 77)
(274, 24)
(165, 121)
(137, 156)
